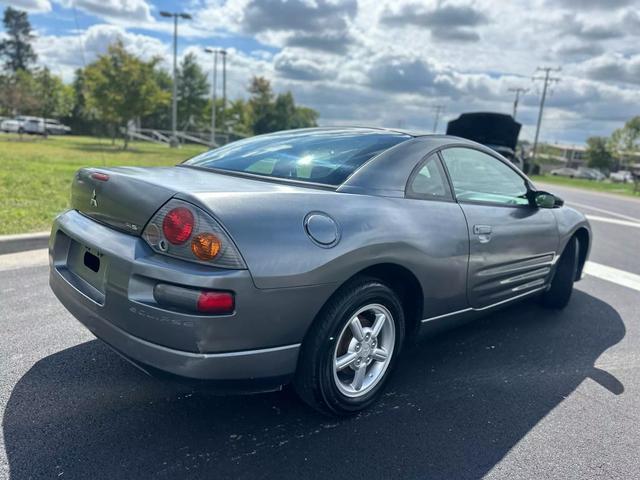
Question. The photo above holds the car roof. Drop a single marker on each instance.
(387, 173)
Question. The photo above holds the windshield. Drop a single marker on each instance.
(316, 156)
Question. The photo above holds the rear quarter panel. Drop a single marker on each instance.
(429, 238)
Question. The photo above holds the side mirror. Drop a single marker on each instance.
(546, 200)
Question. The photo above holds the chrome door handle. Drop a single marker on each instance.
(482, 229)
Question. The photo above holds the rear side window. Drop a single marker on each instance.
(430, 181)
(315, 156)
(478, 177)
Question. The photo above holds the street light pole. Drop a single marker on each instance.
(224, 88)
(214, 81)
(174, 101)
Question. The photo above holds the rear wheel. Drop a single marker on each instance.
(559, 292)
(351, 349)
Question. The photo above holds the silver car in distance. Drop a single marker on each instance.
(308, 256)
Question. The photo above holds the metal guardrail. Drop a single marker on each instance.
(185, 136)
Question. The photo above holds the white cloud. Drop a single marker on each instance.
(33, 6)
(63, 54)
(614, 68)
(129, 10)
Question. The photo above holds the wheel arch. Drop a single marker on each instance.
(584, 243)
(403, 282)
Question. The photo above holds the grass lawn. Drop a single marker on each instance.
(604, 186)
(35, 174)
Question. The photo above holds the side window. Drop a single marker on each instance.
(478, 177)
(430, 182)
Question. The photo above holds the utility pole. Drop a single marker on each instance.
(214, 82)
(438, 109)
(224, 88)
(174, 101)
(519, 91)
(547, 78)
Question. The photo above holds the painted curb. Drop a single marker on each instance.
(23, 242)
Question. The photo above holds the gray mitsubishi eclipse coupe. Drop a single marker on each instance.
(307, 256)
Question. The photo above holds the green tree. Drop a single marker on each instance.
(598, 154)
(80, 119)
(272, 113)
(625, 140)
(289, 116)
(262, 106)
(16, 48)
(160, 118)
(55, 97)
(192, 92)
(120, 87)
(17, 93)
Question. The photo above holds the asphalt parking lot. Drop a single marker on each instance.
(521, 393)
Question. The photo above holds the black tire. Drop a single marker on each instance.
(314, 381)
(559, 292)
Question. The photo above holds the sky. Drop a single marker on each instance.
(383, 62)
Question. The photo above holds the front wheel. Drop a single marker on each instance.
(559, 292)
(351, 349)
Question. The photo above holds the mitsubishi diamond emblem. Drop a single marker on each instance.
(94, 201)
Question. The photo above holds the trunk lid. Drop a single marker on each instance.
(129, 197)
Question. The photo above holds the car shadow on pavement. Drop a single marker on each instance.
(458, 403)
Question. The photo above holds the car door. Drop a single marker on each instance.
(512, 243)
(439, 234)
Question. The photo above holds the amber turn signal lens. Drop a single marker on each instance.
(205, 246)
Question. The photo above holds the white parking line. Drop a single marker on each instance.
(626, 223)
(602, 210)
(614, 275)
(32, 258)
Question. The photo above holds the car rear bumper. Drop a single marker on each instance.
(254, 349)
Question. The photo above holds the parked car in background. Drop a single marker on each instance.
(621, 176)
(564, 172)
(11, 125)
(41, 126)
(54, 127)
(590, 174)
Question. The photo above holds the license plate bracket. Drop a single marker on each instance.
(89, 264)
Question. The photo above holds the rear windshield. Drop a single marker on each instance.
(318, 156)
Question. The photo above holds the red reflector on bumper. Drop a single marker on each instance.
(215, 302)
(188, 300)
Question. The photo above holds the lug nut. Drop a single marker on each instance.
(357, 347)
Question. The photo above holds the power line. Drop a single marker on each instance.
(547, 78)
(438, 109)
(518, 91)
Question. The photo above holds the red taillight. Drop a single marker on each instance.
(215, 302)
(103, 177)
(177, 225)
